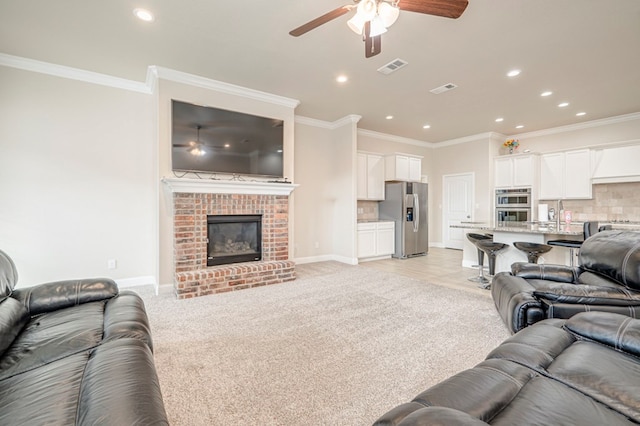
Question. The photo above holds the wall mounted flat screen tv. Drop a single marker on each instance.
(213, 140)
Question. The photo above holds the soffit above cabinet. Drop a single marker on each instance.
(617, 164)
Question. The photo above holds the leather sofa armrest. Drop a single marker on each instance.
(557, 273)
(588, 294)
(615, 330)
(436, 416)
(63, 294)
(515, 302)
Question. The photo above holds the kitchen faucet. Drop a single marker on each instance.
(559, 212)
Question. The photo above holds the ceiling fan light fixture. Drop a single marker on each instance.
(367, 9)
(377, 27)
(388, 13)
(356, 24)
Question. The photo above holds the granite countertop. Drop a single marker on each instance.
(575, 228)
(529, 228)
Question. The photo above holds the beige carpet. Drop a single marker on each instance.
(334, 349)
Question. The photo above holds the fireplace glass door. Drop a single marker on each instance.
(233, 239)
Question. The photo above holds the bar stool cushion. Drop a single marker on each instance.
(533, 250)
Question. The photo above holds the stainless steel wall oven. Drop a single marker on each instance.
(513, 205)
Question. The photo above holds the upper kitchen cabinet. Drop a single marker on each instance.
(370, 176)
(565, 175)
(403, 167)
(514, 171)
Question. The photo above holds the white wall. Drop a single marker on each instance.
(313, 199)
(77, 179)
(325, 201)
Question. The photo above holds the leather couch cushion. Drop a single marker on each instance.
(615, 254)
(63, 294)
(619, 332)
(557, 273)
(13, 318)
(587, 294)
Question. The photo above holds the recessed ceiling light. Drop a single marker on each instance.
(342, 79)
(226, 145)
(389, 117)
(143, 15)
(580, 114)
(279, 150)
(426, 126)
(499, 120)
(547, 93)
(519, 126)
(563, 104)
(513, 73)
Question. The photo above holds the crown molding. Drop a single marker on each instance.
(219, 86)
(154, 73)
(393, 138)
(331, 125)
(480, 136)
(72, 73)
(579, 126)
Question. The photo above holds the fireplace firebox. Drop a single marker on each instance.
(233, 239)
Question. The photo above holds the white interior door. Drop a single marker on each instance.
(457, 200)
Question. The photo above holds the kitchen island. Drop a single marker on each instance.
(531, 233)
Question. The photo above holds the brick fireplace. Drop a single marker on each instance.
(194, 201)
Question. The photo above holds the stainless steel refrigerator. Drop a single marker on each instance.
(406, 204)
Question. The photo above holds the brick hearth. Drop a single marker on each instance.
(192, 275)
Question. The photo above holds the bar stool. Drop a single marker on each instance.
(491, 248)
(474, 238)
(533, 250)
(588, 229)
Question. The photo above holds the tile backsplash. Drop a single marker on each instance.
(611, 202)
(369, 210)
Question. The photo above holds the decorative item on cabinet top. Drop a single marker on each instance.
(511, 144)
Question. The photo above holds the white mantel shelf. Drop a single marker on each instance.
(215, 186)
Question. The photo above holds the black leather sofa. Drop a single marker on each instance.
(75, 353)
(607, 279)
(581, 371)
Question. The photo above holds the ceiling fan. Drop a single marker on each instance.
(197, 148)
(373, 17)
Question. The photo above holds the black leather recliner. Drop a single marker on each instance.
(607, 279)
(75, 353)
(581, 371)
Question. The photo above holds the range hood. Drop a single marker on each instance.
(616, 164)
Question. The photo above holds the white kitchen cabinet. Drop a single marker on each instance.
(385, 238)
(370, 177)
(515, 171)
(367, 239)
(376, 239)
(565, 175)
(403, 167)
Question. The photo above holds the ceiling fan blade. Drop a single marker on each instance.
(445, 8)
(335, 13)
(372, 45)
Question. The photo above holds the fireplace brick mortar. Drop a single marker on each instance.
(193, 277)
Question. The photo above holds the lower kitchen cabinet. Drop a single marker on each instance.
(376, 239)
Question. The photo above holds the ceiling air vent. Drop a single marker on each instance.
(445, 88)
(392, 66)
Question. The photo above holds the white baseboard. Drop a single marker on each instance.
(137, 282)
